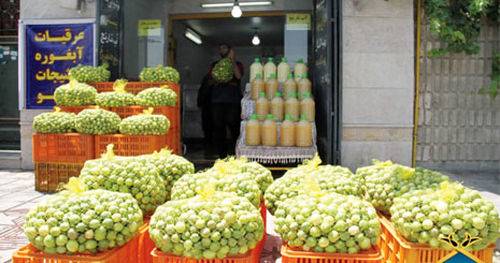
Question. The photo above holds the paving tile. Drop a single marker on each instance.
(6, 255)
(5, 220)
(8, 204)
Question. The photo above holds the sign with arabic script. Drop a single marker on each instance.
(50, 51)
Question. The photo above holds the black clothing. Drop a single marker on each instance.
(229, 92)
(225, 115)
(203, 102)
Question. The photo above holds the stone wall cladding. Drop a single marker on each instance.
(458, 128)
(378, 81)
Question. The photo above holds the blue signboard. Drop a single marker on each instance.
(51, 50)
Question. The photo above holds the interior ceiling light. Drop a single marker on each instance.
(218, 5)
(193, 36)
(256, 39)
(236, 11)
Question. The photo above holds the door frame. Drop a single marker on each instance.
(334, 123)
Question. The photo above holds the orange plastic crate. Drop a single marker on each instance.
(263, 213)
(50, 176)
(396, 248)
(124, 254)
(174, 134)
(173, 115)
(125, 111)
(75, 109)
(146, 245)
(160, 257)
(129, 145)
(291, 255)
(63, 148)
(135, 86)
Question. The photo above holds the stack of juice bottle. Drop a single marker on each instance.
(282, 103)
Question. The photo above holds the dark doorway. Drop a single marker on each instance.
(193, 62)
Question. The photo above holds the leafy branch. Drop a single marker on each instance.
(457, 23)
(493, 88)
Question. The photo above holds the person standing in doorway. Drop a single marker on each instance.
(225, 105)
(204, 103)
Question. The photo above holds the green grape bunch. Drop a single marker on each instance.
(429, 215)
(160, 74)
(75, 93)
(384, 181)
(54, 122)
(88, 222)
(90, 74)
(330, 223)
(208, 226)
(97, 121)
(157, 97)
(126, 175)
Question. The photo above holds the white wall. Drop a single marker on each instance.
(135, 51)
(378, 81)
(47, 9)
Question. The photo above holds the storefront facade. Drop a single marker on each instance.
(366, 105)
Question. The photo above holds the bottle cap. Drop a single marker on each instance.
(262, 94)
(257, 60)
(270, 117)
(270, 59)
(253, 117)
(306, 95)
(300, 60)
(290, 75)
(284, 59)
(303, 117)
(277, 94)
(288, 117)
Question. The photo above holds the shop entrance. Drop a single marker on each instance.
(211, 26)
(322, 52)
(193, 60)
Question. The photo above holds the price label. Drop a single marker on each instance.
(298, 21)
(149, 27)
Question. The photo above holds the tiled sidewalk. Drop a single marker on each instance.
(17, 196)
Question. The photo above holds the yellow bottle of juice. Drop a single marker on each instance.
(303, 133)
(269, 68)
(257, 86)
(292, 106)
(283, 70)
(304, 85)
(277, 106)
(299, 69)
(269, 132)
(271, 86)
(307, 107)
(287, 132)
(262, 106)
(252, 131)
(290, 86)
(256, 68)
